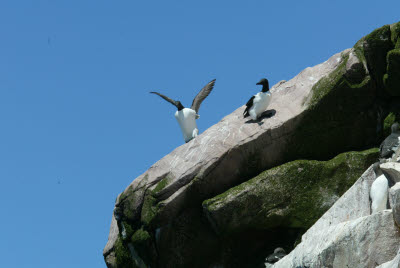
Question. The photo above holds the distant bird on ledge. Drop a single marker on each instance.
(389, 146)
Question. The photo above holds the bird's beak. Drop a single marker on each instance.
(258, 83)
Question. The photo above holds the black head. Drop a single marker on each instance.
(264, 83)
(179, 105)
(377, 169)
(279, 250)
(395, 128)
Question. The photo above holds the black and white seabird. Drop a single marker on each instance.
(391, 143)
(259, 102)
(278, 254)
(186, 117)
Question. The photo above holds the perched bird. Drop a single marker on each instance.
(278, 254)
(186, 117)
(259, 102)
(391, 143)
(379, 190)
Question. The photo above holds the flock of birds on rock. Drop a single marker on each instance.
(186, 117)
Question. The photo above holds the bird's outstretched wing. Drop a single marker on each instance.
(175, 103)
(204, 92)
(248, 106)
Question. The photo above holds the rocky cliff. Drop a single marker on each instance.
(349, 234)
(240, 189)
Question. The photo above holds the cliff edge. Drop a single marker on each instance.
(180, 212)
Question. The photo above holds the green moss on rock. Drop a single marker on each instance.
(138, 207)
(122, 255)
(161, 185)
(392, 78)
(388, 122)
(376, 45)
(292, 195)
(339, 116)
(379, 50)
(149, 209)
(142, 243)
(395, 28)
(324, 86)
(129, 201)
(151, 206)
(128, 231)
(125, 201)
(140, 237)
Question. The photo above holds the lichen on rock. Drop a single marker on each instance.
(292, 195)
(123, 258)
(390, 119)
(392, 77)
(375, 47)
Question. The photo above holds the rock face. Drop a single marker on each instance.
(392, 169)
(355, 203)
(364, 242)
(335, 107)
(394, 197)
(395, 263)
(293, 195)
(350, 234)
(108, 251)
(347, 235)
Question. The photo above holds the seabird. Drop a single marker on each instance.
(278, 254)
(186, 117)
(379, 190)
(391, 143)
(259, 102)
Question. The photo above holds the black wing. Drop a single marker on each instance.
(175, 103)
(204, 92)
(248, 106)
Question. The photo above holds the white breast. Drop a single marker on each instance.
(260, 104)
(187, 121)
(379, 194)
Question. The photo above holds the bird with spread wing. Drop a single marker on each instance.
(186, 117)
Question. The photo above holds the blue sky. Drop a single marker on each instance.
(77, 123)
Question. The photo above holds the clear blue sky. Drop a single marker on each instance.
(77, 123)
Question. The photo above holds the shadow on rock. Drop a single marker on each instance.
(265, 115)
